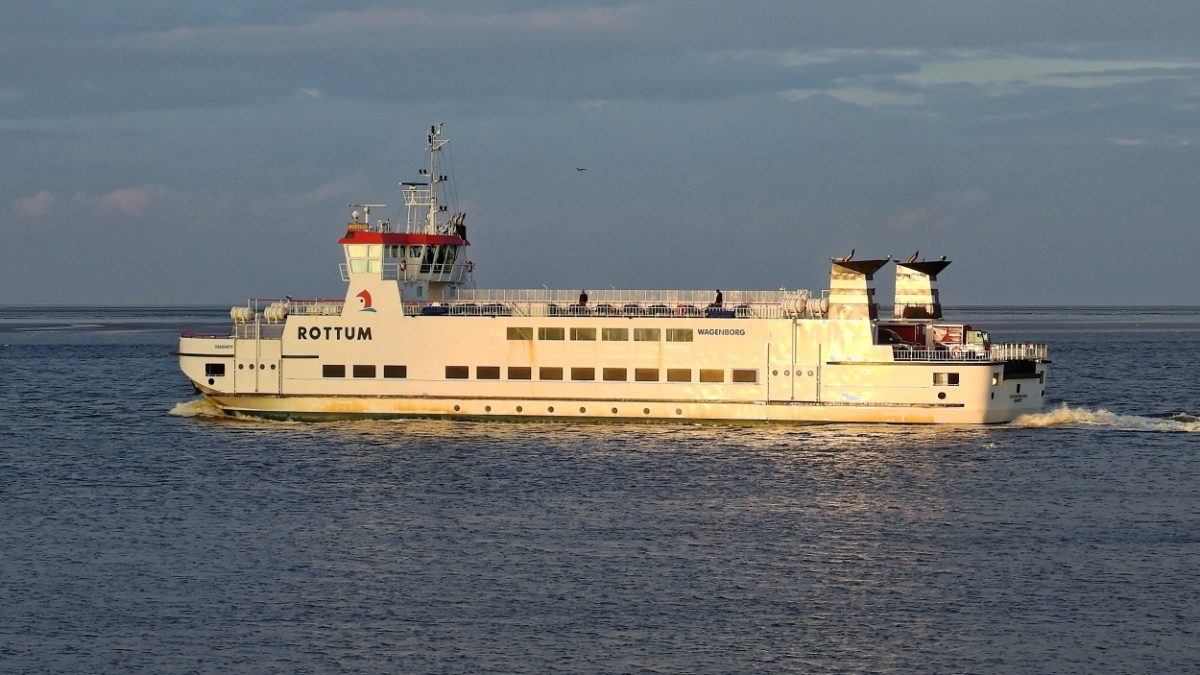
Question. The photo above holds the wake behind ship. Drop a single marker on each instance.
(413, 336)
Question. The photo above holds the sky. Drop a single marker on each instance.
(195, 152)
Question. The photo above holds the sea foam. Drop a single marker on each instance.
(1066, 416)
(201, 407)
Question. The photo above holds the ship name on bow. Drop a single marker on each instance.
(333, 333)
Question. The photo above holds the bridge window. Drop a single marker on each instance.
(457, 372)
(551, 333)
(214, 369)
(519, 373)
(614, 334)
(550, 373)
(583, 374)
(615, 374)
(707, 375)
(364, 371)
(328, 370)
(396, 372)
(583, 333)
(487, 372)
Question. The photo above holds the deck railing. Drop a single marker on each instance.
(534, 309)
(626, 302)
(1028, 351)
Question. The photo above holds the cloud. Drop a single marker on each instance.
(35, 206)
(375, 28)
(131, 201)
(136, 203)
(944, 211)
(865, 97)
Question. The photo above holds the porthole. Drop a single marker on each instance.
(550, 409)
(810, 373)
(241, 365)
(487, 408)
(582, 409)
(211, 381)
(272, 366)
(787, 372)
(262, 366)
(614, 411)
(678, 411)
(774, 372)
(520, 409)
(457, 408)
(646, 411)
(941, 394)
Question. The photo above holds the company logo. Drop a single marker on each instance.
(364, 301)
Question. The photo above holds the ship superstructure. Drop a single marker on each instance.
(414, 337)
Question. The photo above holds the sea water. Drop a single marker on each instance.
(139, 532)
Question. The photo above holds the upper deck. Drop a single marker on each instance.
(610, 302)
(265, 318)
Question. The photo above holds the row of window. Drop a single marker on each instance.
(391, 372)
(606, 334)
(738, 375)
(551, 373)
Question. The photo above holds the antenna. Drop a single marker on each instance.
(366, 210)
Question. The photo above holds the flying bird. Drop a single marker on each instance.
(580, 168)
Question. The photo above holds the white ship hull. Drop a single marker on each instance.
(357, 407)
(791, 371)
(412, 337)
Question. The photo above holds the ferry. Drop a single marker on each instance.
(415, 337)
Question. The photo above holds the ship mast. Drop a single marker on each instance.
(425, 194)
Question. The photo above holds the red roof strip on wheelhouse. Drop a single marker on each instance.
(390, 238)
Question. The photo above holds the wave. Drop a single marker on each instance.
(201, 407)
(1066, 416)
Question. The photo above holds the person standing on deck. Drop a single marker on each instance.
(583, 297)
